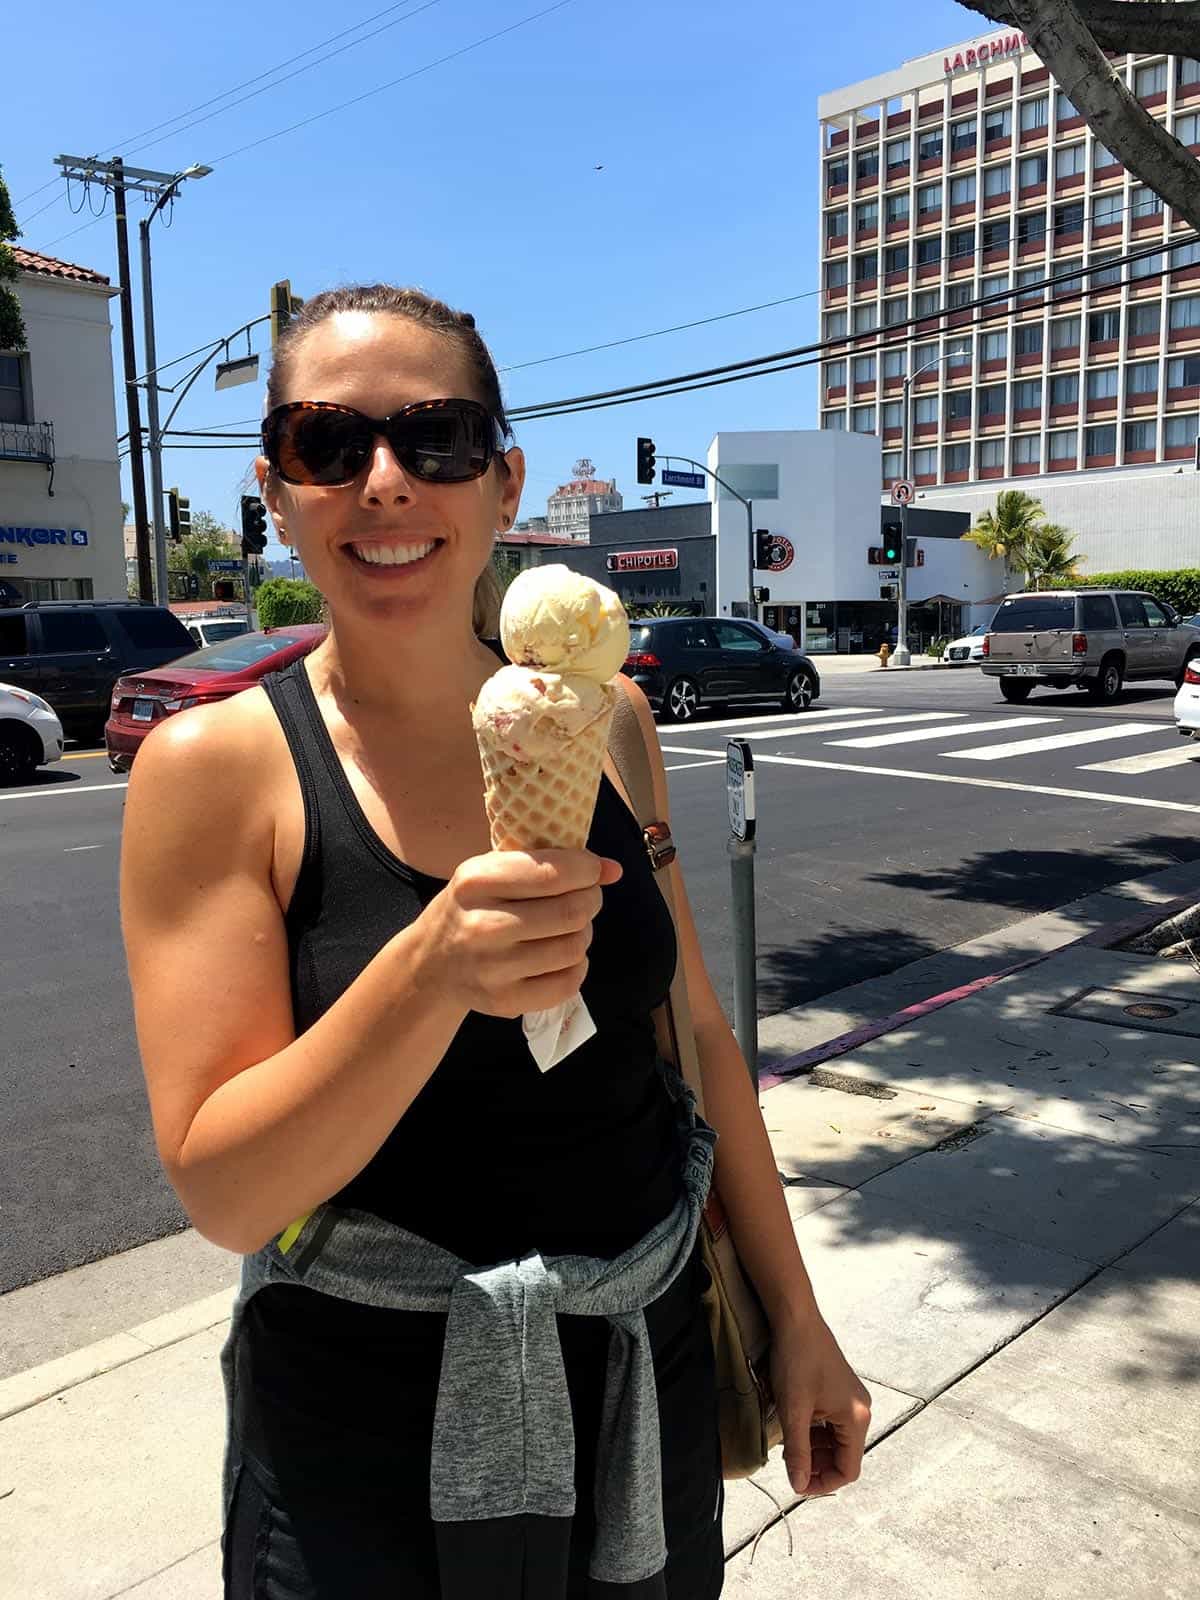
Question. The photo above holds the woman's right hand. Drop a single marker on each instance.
(510, 932)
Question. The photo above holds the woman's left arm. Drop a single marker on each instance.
(814, 1384)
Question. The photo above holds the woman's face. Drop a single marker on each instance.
(378, 363)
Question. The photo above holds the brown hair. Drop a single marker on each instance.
(427, 312)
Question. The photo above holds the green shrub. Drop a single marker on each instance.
(1179, 588)
(283, 601)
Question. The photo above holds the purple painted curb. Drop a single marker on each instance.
(1111, 933)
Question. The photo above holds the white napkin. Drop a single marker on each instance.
(553, 1034)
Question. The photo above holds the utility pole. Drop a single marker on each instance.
(659, 494)
(152, 573)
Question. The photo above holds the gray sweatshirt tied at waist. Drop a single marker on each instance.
(503, 1442)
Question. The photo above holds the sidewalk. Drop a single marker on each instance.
(999, 1204)
(829, 665)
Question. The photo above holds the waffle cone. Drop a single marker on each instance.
(535, 806)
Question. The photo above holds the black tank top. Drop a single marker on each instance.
(493, 1158)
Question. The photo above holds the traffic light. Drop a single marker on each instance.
(890, 544)
(179, 514)
(762, 549)
(889, 591)
(646, 461)
(284, 306)
(760, 595)
(254, 525)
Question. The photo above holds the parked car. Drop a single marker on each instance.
(215, 629)
(1187, 702)
(1092, 639)
(71, 652)
(969, 647)
(140, 701)
(31, 735)
(684, 663)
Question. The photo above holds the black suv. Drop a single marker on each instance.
(71, 652)
(683, 663)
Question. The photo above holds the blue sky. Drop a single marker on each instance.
(475, 180)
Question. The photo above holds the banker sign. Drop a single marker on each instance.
(72, 538)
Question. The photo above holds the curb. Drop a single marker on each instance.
(1112, 933)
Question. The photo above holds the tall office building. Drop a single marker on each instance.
(572, 505)
(968, 173)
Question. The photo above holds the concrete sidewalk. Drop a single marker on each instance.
(999, 1206)
(839, 665)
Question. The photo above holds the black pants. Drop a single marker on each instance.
(343, 1513)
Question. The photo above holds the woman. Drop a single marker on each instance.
(323, 840)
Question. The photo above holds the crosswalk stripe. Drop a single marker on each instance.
(1054, 741)
(770, 735)
(762, 722)
(1151, 762)
(874, 741)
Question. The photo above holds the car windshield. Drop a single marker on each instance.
(215, 632)
(1034, 613)
(639, 638)
(235, 655)
(983, 627)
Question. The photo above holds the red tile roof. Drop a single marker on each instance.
(52, 267)
(584, 486)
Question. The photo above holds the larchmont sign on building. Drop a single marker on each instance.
(978, 55)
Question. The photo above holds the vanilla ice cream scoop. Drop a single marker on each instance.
(530, 715)
(559, 620)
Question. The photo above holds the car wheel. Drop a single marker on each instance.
(1015, 693)
(20, 752)
(115, 766)
(1107, 686)
(1192, 660)
(682, 700)
(799, 693)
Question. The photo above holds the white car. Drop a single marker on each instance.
(31, 735)
(1187, 703)
(968, 648)
(215, 629)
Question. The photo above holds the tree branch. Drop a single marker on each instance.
(1146, 26)
(1058, 33)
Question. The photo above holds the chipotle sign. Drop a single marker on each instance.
(642, 561)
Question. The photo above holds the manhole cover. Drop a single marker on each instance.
(1129, 1008)
(1155, 1013)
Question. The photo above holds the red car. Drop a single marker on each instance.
(141, 700)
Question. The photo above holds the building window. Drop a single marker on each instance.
(1187, 129)
(925, 410)
(1187, 70)
(1107, 208)
(995, 285)
(997, 124)
(896, 310)
(1141, 379)
(1035, 113)
(895, 259)
(959, 295)
(1141, 436)
(924, 463)
(835, 374)
(962, 135)
(993, 346)
(866, 166)
(957, 458)
(1146, 266)
(996, 181)
(863, 419)
(836, 274)
(1064, 334)
(1150, 80)
(892, 465)
(1143, 202)
(1064, 107)
(1144, 319)
(1068, 218)
(958, 352)
(1180, 430)
(1101, 274)
(899, 152)
(1027, 450)
(1064, 390)
(923, 356)
(14, 390)
(1183, 372)
(1025, 277)
(929, 199)
(1102, 385)
(896, 207)
(835, 324)
(1101, 441)
(1067, 277)
(928, 251)
(961, 243)
(1027, 396)
(1031, 170)
(866, 267)
(1184, 255)
(864, 369)
(1104, 326)
(866, 215)
(991, 400)
(893, 415)
(837, 172)
(962, 190)
(836, 223)
(1183, 313)
(926, 303)
(1102, 157)
(958, 406)
(929, 145)
(895, 364)
(991, 453)
(1031, 227)
(1061, 445)
(1027, 339)
(866, 318)
(1070, 161)
(834, 421)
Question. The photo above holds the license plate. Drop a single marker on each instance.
(143, 710)
(1025, 670)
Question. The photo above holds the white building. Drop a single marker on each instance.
(967, 173)
(572, 504)
(60, 480)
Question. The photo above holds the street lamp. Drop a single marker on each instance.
(903, 656)
(154, 436)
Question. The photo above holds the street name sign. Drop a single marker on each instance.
(224, 566)
(682, 480)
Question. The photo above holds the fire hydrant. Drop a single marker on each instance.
(884, 653)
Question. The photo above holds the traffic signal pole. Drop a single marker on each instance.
(137, 475)
(751, 607)
(903, 656)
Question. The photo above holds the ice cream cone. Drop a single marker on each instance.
(541, 805)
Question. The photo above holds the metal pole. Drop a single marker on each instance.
(132, 408)
(751, 608)
(903, 658)
(745, 948)
(161, 591)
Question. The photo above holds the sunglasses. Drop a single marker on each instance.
(439, 441)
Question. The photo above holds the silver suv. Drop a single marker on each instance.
(1093, 639)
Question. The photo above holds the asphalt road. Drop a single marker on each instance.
(869, 856)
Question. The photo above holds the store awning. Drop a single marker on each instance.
(940, 600)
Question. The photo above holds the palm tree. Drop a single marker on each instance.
(1049, 560)
(1005, 532)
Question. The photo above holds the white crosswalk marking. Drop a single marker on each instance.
(1054, 741)
(1152, 761)
(875, 741)
(770, 735)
